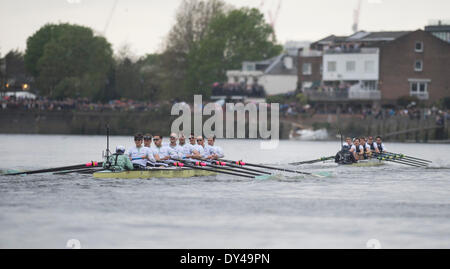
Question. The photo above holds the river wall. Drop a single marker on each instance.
(396, 128)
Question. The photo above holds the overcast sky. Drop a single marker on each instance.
(143, 24)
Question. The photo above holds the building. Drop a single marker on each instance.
(440, 30)
(276, 75)
(369, 68)
(416, 64)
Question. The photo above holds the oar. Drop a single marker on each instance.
(233, 170)
(406, 156)
(271, 167)
(222, 167)
(402, 156)
(218, 162)
(63, 168)
(189, 164)
(313, 161)
(397, 161)
(79, 171)
(402, 159)
(397, 157)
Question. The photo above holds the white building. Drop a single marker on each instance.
(358, 69)
(277, 75)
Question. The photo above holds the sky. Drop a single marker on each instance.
(142, 25)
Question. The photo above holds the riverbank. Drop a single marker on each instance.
(395, 128)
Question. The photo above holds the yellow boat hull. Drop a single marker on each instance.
(155, 173)
(368, 163)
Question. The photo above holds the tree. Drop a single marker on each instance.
(231, 38)
(14, 70)
(445, 102)
(69, 61)
(191, 24)
(192, 20)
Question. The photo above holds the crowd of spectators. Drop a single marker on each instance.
(79, 104)
(240, 89)
(286, 109)
(414, 113)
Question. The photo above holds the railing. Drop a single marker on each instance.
(364, 95)
(352, 50)
(343, 95)
(315, 95)
(420, 95)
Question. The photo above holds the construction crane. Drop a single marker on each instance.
(108, 20)
(356, 17)
(272, 16)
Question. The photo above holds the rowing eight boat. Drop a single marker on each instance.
(367, 163)
(155, 172)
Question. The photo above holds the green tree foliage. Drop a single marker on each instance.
(191, 24)
(406, 100)
(69, 61)
(14, 65)
(140, 80)
(445, 102)
(231, 38)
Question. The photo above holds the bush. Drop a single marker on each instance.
(445, 102)
(404, 101)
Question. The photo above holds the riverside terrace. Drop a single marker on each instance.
(286, 109)
(80, 104)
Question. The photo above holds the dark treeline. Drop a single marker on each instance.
(72, 61)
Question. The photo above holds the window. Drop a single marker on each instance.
(418, 66)
(419, 89)
(331, 67)
(248, 66)
(306, 69)
(369, 66)
(350, 66)
(306, 85)
(370, 85)
(288, 62)
(419, 46)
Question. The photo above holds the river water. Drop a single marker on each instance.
(389, 206)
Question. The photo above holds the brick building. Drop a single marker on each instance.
(369, 68)
(416, 64)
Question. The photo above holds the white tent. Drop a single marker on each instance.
(28, 95)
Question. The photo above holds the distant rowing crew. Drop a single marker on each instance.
(359, 149)
(362, 148)
(141, 156)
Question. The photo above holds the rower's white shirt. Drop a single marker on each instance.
(346, 144)
(367, 146)
(186, 149)
(178, 151)
(150, 154)
(361, 148)
(165, 151)
(383, 148)
(214, 150)
(201, 150)
(139, 154)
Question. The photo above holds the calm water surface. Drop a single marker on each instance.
(400, 206)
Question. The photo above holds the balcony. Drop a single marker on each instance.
(364, 95)
(340, 95)
(420, 95)
(339, 50)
